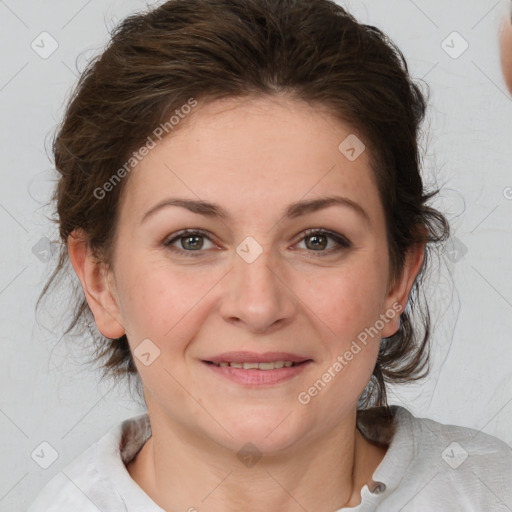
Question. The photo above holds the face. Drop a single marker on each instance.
(506, 51)
(260, 278)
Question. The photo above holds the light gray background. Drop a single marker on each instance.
(49, 395)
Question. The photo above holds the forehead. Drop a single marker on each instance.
(254, 155)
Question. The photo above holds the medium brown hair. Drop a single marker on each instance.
(312, 50)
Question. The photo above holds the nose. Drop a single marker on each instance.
(257, 295)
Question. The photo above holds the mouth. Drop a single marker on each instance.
(271, 365)
(254, 370)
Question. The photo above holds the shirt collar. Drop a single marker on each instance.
(391, 426)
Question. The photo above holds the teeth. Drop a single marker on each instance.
(258, 366)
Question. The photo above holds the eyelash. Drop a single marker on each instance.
(343, 242)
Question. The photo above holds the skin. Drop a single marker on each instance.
(253, 157)
(506, 51)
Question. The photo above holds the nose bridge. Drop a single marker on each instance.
(255, 275)
(256, 295)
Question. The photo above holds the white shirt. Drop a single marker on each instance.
(428, 467)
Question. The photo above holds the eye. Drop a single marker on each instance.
(316, 240)
(190, 240)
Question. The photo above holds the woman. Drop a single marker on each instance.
(241, 200)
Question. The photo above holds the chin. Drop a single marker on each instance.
(269, 435)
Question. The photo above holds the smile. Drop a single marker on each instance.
(258, 374)
(272, 365)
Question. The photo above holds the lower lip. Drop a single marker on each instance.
(255, 377)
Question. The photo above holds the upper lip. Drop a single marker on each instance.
(255, 357)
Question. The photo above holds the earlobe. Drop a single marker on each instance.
(97, 285)
(399, 294)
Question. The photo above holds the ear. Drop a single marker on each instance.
(98, 285)
(398, 295)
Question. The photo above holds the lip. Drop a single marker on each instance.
(255, 357)
(255, 377)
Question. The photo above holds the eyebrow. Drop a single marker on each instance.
(293, 211)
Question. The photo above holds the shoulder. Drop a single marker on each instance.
(455, 465)
(456, 445)
(69, 489)
(88, 483)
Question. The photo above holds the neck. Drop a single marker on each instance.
(181, 470)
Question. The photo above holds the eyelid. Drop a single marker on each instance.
(188, 232)
(342, 241)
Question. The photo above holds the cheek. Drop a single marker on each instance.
(347, 300)
(348, 306)
(152, 299)
(165, 304)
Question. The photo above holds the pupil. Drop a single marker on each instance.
(193, 245)
(316, 237)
